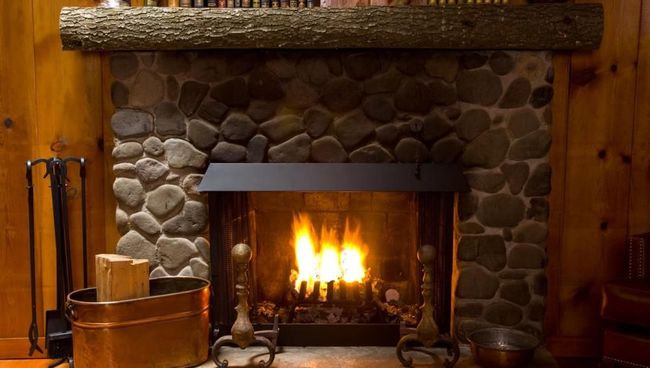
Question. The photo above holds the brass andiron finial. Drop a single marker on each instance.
(427, 333)
(242, 333)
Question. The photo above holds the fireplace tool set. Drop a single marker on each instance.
(58, 335)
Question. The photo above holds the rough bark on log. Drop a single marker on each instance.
(532, 27)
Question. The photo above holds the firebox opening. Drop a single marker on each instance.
(369, 240)
(336, 257)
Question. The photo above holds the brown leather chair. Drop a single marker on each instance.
(626, 310)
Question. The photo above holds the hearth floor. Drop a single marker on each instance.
(350, 357)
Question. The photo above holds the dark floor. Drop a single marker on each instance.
(578, 363)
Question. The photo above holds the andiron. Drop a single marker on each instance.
(242, 333)
(426, 334)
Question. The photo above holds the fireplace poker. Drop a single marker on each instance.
(58, 336)
(32, 334)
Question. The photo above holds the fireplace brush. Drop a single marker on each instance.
(58, 335)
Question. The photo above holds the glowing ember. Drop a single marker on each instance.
(327, 258)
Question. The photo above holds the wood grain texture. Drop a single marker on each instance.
(54, 99)
(121, 277)
(599, 137)
(111, 235)
(539, 27)
(17, 346)
(69, 112)
(17, 103)
(640, 182)
(557, 160)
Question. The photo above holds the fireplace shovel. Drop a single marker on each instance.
(58, 335)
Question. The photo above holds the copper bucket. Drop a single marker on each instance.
(167, 329)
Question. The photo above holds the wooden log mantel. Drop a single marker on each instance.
(530, 27)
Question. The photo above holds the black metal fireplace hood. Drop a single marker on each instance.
(318, 177)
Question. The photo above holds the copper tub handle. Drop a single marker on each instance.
(70, 313)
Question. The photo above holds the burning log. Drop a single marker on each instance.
(354, 292)
(303, 290)
(343, 287)
(330, 291)
(315, 294)
(368, 296)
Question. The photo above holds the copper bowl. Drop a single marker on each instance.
(502, 347)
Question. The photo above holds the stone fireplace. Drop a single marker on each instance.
(487, 111)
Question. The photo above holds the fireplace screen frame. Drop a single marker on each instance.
(228, 186)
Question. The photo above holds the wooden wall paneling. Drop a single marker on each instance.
(16, 103)
(559, 127)
(640, 181)
(111, 236)
(69, 113)
(596, 192)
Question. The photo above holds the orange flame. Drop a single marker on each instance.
(332, 259)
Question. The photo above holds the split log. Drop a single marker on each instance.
(121, 277)
(532, 27)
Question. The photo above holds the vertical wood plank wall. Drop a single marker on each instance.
(601, 172)
(59, 104)
(54, 100)
(17, 102)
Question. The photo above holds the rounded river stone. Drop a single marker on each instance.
(372, 153)
(353, 129)
(180, 153)
(413, 96)
(488, 150)
(504, 314)
(169, 120)
(296, 149)
(256, 148)
(130, 123)
(192, 94)
(165, 200)
(476, 283)
(341, 95)
(228, 152)
(282, 128)
(479, 86)
(501, 210)
(175, 252)
(134, 245)
(128, 192)
(238, 127)
(192, 220)
(472, 123)
(317, 120)
(329, 150)
(203, 135)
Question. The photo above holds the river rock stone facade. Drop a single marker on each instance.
(487, 111)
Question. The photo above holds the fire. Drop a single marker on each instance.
(327, 258)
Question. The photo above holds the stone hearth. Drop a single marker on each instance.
(486, 110)
(354, 357)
